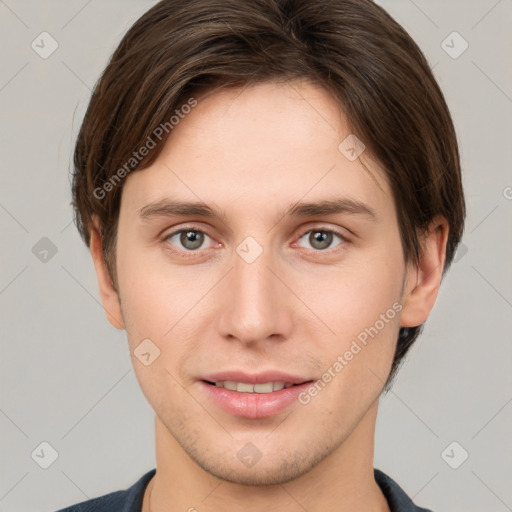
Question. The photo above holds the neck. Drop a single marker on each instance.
(343, 481)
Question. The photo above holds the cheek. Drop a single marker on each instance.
(356, 365)
(154, 294)
(352, 300)
(361, 304)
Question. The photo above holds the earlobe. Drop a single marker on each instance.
(108, 293)
(424, 279)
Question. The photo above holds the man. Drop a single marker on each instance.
(271, 193)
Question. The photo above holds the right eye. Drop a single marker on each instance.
(190, 239)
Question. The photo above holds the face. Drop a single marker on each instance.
(258, 289)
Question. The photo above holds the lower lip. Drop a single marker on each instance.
(254, 405)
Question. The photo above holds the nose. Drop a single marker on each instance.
(256, 305)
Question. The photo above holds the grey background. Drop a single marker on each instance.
(66, 375)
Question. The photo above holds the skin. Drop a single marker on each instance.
(251, 153)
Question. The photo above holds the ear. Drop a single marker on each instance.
(423, 280)
(108, 293)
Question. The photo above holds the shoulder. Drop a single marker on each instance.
(398, 500)
(128, 500)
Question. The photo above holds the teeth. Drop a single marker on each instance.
(230, 385)
(243, 387)
(263, 388)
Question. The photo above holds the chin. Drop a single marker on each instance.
(265, 471)
(255, 476)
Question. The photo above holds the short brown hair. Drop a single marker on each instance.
(353, 48)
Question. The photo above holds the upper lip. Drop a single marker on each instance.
(254, 378)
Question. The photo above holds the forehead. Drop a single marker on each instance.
(260, 120)
(268, 144)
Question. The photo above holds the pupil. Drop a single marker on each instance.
(191, 239)
(321, 239)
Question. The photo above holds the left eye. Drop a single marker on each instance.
(321, 239)
(190, 239)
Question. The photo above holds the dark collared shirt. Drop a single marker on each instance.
(130, 500)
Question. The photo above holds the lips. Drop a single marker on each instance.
(253, 396)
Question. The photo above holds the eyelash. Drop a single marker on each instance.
(192, 254)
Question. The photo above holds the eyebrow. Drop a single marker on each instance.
(170, 208)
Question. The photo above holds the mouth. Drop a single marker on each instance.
(253, 396)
